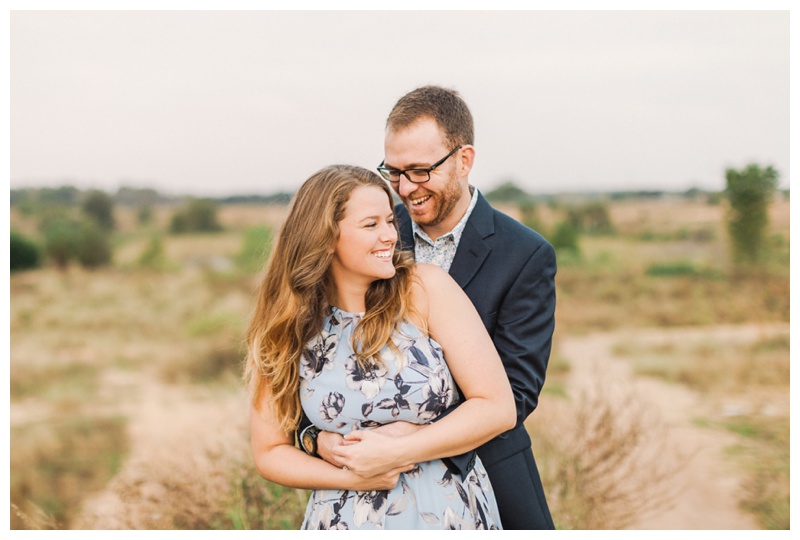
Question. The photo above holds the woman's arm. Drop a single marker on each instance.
(278, 460)
(488, 409)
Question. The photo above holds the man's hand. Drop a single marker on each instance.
(327, 441)
(387, 480)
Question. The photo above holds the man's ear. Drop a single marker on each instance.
(465, 160)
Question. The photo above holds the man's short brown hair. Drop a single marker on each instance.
(443, 105)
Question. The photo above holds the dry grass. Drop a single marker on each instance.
(87, 346)
(602, 460)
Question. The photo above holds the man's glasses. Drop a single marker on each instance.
(416, 176)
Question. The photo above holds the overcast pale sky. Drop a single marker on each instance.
(234, 102)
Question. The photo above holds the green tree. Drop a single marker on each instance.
(99, 206)
(749, 192)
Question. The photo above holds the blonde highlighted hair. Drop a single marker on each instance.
(296, 291)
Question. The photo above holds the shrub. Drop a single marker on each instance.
(749, 192)
(24, 253)
(61, 240)
(99, 206)
(67, 239)
(199, 215)
(153, 256)
(591, 218)
(94, 249)
(565, 237)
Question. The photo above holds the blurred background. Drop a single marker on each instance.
(152, 157)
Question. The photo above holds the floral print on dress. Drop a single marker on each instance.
(416, 386)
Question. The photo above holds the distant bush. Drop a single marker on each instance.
(94, 249)
(565, 237)
(153, 256)
(61, 239)
(144, 215)
(529, 216)
(507, 192)
(68, 239)
(199, 215)
(591, 218)
(24, 253)
(99, 206)
(749, 192)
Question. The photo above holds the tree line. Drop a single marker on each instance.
(76, 225)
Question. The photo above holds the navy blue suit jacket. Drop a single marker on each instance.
(508, 271)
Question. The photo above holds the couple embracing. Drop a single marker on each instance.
(404, 347)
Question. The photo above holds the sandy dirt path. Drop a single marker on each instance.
(706, 482)
(178, 434)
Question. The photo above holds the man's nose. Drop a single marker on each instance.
(405, 187)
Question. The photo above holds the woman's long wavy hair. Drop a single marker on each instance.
(296, 291)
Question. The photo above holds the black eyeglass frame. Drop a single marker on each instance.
(385, 171)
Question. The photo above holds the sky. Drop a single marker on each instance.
(219, 103)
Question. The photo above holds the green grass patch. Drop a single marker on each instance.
(681, 268)
(261, 505)
(764, 454)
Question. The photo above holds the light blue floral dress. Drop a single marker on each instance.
(339, 396)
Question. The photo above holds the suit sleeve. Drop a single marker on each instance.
(524, 332)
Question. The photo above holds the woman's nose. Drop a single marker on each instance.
(389, 233)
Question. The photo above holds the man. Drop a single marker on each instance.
(505, 268)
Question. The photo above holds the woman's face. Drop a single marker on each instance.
(367, 238)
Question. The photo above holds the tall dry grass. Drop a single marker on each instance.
(602, 461)
(88, 347)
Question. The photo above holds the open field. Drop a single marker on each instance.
(669, 376)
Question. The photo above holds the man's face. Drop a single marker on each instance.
(420, 145)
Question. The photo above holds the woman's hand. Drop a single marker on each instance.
(369, 453)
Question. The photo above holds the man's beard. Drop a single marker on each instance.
(444, 203)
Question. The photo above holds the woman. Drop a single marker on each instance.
(349, 330)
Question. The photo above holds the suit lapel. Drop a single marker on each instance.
(473, 248)
(406, 232)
